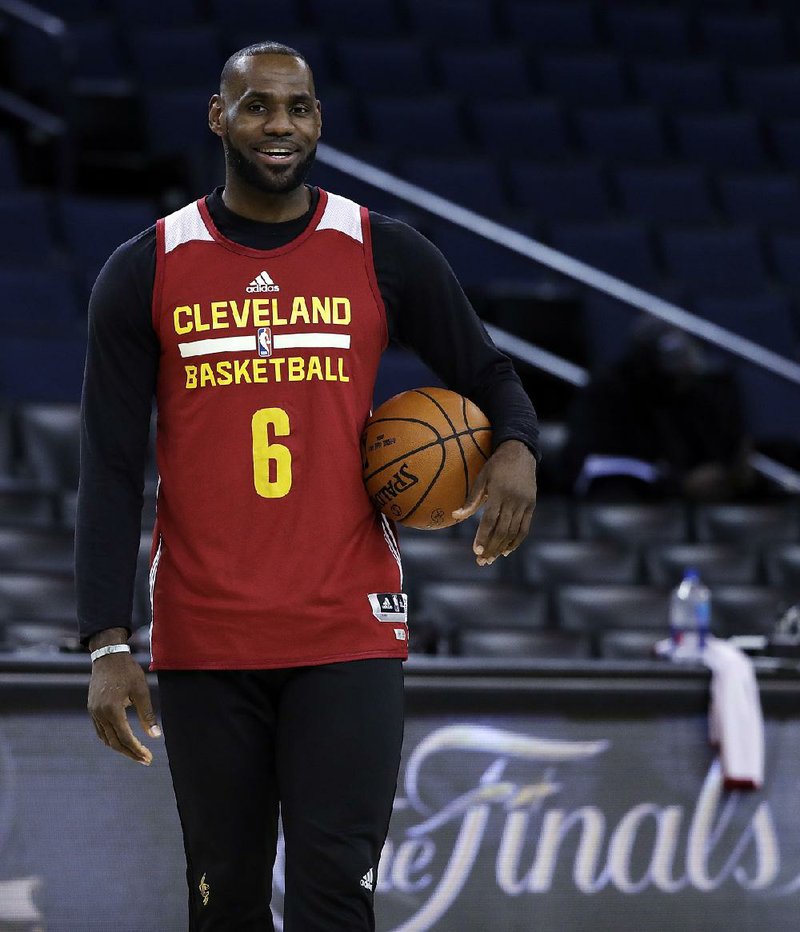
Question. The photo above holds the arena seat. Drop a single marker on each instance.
(409, 123)
(488, 605)
(595, 609)
(716, 563)
(770, 92)
(176, 122)
(575, 191)
(372, 18)
(94, 227)
(50, 441)
(741, 610)
(621, 248)
(552, 24)
(471, 256)
(632, 524)
(665, 194)
(539, 127)
(155, 13)
(464, 72)
(721, 140)
(34, 298)
(766, 319)
(382, 66)
(630, 133)
(474, 183)
(628, 645)
(785, 137)
(433, 558)
(42, 637)
(782, 564)
(752, 37)
(36, 597)
(26, 506)
(9, 167)
(553, 563)
(529, 645)
(587, 79)
(784, 251)
(36, 550)
(714, 261)
(269, 19)
(681, 85)
(747, 525)
(177, 58)
(769, 200)
(458, 22)
(649, 31)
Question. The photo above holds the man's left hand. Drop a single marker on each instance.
(507, 486)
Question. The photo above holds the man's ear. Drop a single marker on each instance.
(216, 115)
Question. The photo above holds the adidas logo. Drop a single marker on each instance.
(367, 880)
(262, 282)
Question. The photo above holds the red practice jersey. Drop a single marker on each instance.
(267, 551)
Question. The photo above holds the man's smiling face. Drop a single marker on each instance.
(269, 120)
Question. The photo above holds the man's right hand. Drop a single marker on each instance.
(117, 683)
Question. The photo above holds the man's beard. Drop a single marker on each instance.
(249, 173)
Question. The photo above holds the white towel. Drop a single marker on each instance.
(735, 721)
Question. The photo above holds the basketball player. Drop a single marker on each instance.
(257, 317)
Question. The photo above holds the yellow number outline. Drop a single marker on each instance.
(266, 452)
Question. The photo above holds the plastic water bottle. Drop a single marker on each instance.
(690, 609)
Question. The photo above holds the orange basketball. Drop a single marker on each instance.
(421, 451)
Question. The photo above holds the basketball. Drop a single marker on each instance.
(421, 452)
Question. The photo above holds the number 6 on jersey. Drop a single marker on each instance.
(271, 481)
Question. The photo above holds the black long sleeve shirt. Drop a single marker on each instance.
(426, 309)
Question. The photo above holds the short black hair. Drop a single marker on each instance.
(258, 48)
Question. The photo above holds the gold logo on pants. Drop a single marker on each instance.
(205, 890)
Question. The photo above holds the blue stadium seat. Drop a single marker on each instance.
(37, 550)
(407, 123)
(272, 18)
(26, 231)
(97, 53)
(451, 21)
(538, 126)
(621, 249)
(49, 440)
(177, 58)
(372, 18)
(473, 183)
(24, 505)
(155, 13)
(681, 85)
(784, 250)
(673, 194)
(744, 37)
(721, 140)
(584, 80)
(36, 297)
(715, 261)
(633, 134)
(574, 191)
(383, 66)
(477, 261)
(43, 368)
(649, 31)
(464, 72)
(94, 227)
(73, 11)
(340, 125)
(176, 121)
(770, 91)
(552, 24)
(763, 318)
(768, 200)
(770, 404)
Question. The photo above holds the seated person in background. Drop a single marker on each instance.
(660, 422)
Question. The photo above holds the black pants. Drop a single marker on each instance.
(324, 744)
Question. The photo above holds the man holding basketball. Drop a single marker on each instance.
(257, 317)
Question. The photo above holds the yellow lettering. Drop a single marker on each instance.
(219, 315)
(206, 375)
(314, 370)
(240, 316)
(261, 308)
(191, 376)
(277, 320)
(299, 310)
(277, 368)
(260, 370)
(198, 320)
(179, 312)
(341, 311)
(240, 371)
(321, 309)
(224, 376)
(296, 368)
(342, 376)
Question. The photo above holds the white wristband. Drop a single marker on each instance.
(111, 649)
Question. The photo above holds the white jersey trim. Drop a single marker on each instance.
(185, 226)
(343, 215)
(392, 543)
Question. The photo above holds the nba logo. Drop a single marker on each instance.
(264, 341)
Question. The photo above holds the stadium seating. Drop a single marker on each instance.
(539, 128)
(553, 563)
(575, 191)
(716, 563)
(681, 85)
(50, 438)
(769, 200)
(36, 550)
(660, 32)
(665, 194)
(632, 134)
(747, 525)
(382, 66)
(552, 24)
(590, 79)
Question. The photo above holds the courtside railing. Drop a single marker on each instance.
(580, 272)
